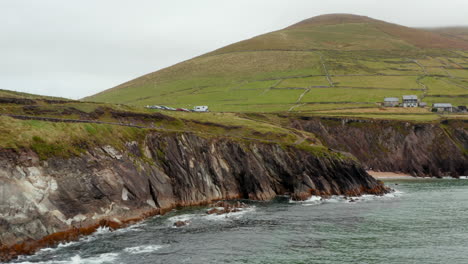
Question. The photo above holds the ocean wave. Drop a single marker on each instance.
(100, 259)
(452, 178)
(369, 197)
(184, 217)
(232, 215)
(210, 217)
(101, 231)
(77, 259)
(143, 249)
(317, 200)
(132, 228)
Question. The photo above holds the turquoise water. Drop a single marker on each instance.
(423, 222)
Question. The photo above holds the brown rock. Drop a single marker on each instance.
(181, 223)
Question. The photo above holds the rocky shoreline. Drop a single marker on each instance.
(45, 202)
(435, 149)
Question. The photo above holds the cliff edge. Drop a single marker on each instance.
(45, 201)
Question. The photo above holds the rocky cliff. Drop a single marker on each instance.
(421, 149)
(44, 201)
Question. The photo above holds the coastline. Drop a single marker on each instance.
(389, 175)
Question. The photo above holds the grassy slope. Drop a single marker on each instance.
(13, 94)
(286, 69)
(457, 32)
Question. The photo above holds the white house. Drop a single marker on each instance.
(410, 101)
(202, 108)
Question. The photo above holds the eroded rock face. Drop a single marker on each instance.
(40, 198)
(420, 149)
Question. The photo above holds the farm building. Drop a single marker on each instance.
(422, 104)
(442, 107)
(410, 101)
(391, 101)
(462, 109)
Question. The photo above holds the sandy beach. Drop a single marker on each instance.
(388, 175)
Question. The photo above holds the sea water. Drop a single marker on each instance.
(423, 221)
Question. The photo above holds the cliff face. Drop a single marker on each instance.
(439, 149)
(39, 198)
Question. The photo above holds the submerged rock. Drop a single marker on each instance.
(181, 223)
(223, 207)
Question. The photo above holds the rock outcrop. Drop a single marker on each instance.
(421, 149)
(45, 201)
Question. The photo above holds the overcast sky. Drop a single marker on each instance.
(78, 48)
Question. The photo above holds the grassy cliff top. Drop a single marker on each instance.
(71, 124)
(65, 128)
(14, 94)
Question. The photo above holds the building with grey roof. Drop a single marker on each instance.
(391, 101)
(443, 107)
(410, 101)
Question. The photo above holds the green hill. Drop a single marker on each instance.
(454, 32)
(323, 63)
(14, 94)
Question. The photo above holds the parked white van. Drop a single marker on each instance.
(202, 108)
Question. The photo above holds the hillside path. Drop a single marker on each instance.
(327, 74)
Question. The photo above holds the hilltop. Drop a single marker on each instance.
(330, 62)
(453, 32)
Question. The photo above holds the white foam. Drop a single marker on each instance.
(100, 259)
(184, 217)
(313, 200)
(59, 246)
(369, 197)
(210, 217)
(232, 215)
(135, 228)
(452, 178)
(102, 230)
(143, 249)
(316, 200)
(86, 239)
(77, 259)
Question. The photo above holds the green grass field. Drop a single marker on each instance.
(353, 95)
(304, 82)
(443, 86)
(391, 82)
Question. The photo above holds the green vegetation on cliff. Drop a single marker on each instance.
(65, 128)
